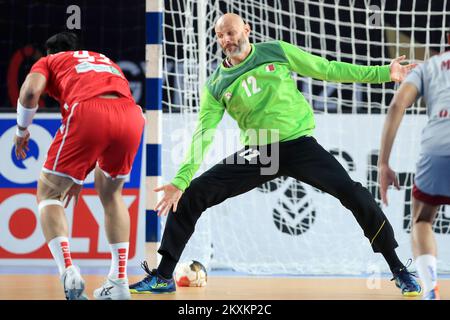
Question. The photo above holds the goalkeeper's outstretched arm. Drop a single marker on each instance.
(309, 65)
(211, 112)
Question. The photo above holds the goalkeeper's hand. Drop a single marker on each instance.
(170, 199)
(387, 178)
(400, 70)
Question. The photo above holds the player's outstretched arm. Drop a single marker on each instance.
(27, 105)
(403, 98)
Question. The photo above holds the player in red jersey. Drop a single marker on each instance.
(101, 129)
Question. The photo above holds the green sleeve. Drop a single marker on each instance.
(211, 112)
(308, 65)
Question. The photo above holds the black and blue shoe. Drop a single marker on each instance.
(152, 283)
(404, 280)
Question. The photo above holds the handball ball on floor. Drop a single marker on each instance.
(191, 274)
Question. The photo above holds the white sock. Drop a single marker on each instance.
(59, 247)
(119, 258)
(426, 267)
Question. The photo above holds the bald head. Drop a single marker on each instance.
(229, 19)
(232, 34)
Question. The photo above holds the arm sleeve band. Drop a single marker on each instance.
(24, 115)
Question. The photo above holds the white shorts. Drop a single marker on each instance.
(432, 179)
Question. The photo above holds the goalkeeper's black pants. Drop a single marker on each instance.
(303, 159)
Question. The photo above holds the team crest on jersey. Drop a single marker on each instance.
(228, 96)
(270, 67)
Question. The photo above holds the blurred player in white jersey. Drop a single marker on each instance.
(431, 81)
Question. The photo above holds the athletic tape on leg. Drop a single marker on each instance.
(47, 182)
(49, 202)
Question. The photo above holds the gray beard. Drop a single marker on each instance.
(242, 43)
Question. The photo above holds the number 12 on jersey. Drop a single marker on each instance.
(250, 83)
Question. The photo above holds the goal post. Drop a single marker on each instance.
(153, 113)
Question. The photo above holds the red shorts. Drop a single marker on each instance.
(429, 199)
(103, 131)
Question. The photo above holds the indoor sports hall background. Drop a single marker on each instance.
(167, 50)
(117, 31)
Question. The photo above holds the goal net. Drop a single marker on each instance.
(286, 226)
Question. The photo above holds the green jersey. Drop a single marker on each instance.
(261, 95)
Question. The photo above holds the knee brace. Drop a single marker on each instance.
(53, 191)
(48, 202)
